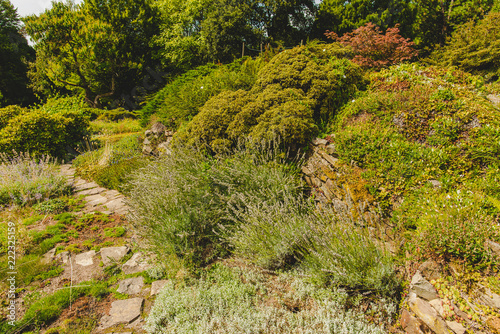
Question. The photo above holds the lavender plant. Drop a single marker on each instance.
(25, 180)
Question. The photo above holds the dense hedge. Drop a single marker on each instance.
(41, 132)
(295, 94)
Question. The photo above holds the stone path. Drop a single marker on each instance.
(125, 316)
(96, 197)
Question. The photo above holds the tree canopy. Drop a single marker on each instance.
(96, 49)
(15, 53)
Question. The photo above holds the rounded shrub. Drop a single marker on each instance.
(40, 132)
(295, 94)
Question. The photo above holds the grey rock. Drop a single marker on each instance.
(146, 141)
(331, 160)
(431, 270)
(156, 286)
(435, 183)
(427, 314)
(319, 141)
(489, 298)
(456, 327)
(116, 204)
(422, 288)
(137, 263)
(49, 256)
(158, 128)
(164, 149)
(84, 185)
(495, 247)
(438, 306)
(330, 149)
(131, 286)
(122, 312)
(85, 259)
(146, 149)
(495, 99)
(110, 254)
(410, 324)
(63, 256)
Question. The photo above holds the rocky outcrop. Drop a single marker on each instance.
(157, 140)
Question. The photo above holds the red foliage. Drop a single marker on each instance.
(372, 48)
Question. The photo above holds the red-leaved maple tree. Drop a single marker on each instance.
(372, 48)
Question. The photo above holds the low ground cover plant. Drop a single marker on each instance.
(230, 300)
(427, 142)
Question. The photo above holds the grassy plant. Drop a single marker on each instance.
(111, 166)
(228, 301)
(27, 180)
(182, 201)
(329, 244)
(104, 127)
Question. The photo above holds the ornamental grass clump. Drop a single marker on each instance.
(25, 180)
(182, 201)
(331, 244)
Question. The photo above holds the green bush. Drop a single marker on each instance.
(40, 132)
(473, 47)
(181, 99)
(9, 112)
(452, 224)
(182, 201)
(231, 301)
(295, 94)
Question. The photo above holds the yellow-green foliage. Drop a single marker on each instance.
(41, 132)
(474, 47)
(9, 112)
(294, 95)
(419, 124)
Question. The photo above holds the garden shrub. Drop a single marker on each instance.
(180, 100)
(294, 95)
(9, 112)
(40, 132)
(453, 224)
(27, 180)
(371, 48)
(182, 201)
(473, 47)
(230, 301)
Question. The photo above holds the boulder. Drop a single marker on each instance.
(122, 312)
(422, 288)
(156, 286)
(427, 314)
(137, 263)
